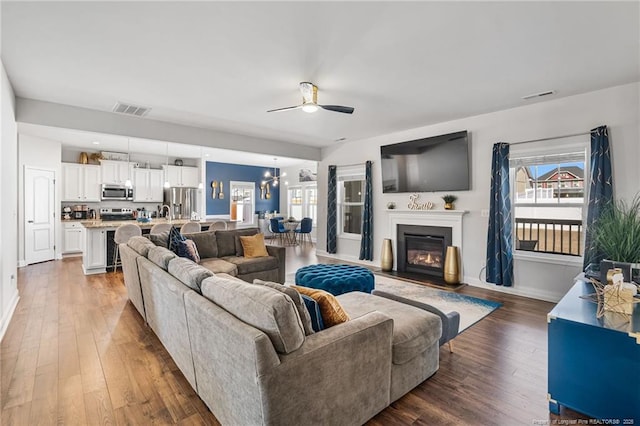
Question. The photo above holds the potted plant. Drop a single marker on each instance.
(449, 199)
(616, 234)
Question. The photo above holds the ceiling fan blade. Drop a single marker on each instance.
(338, 108)
(285, 109)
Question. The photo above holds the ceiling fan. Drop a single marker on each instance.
(310, 101)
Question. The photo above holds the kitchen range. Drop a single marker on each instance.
(111, 214)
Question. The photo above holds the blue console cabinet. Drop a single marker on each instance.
(594, 363)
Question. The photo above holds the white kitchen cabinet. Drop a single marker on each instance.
(80, 182)
(147, 185)
(182, 176)
(94, 256)
(115, 172)
(73, 237)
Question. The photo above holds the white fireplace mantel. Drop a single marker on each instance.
(445, 218)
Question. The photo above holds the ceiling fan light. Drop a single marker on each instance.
(309, 107)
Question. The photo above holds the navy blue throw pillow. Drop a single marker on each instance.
(314, 313)
(175, 238)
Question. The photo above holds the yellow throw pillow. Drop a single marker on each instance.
(253, 246)
(330, 309)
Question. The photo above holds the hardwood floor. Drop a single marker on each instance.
(77, 352)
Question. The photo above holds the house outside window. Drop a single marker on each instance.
(548, 202)
(350, 201)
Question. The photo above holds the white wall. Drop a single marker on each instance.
(44, 153)
(9, 197)
(616, 107)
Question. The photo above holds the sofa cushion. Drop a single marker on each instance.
(189, 273)
(219, 266)
(253, 246)
(226, 242)
(140, 244)
(253, 265)
(314, 313)
(264, 308)
(161, 256)
(297, 300)
(161, 239)
(188, 249)
(332, 312)
(206, 243)
(175, 237)
(414, 330)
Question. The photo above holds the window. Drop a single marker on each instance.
(350, 201)
(302, 201)
(242, 202)
(549, 196)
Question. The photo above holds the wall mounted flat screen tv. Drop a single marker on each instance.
(439, 163)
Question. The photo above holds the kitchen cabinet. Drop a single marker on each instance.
(148, 185)
(73, 237)
(115, 172)
(94, 258)
(80, 182)
(182, 176)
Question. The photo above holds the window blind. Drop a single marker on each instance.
(529, 160)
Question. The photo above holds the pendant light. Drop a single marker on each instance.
(166, 170)
(273, 178)
(127, 183)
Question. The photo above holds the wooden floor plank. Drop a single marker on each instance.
(77, 352)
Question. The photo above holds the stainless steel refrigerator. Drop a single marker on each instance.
(182, 202)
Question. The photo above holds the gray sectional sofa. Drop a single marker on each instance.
(244, 350)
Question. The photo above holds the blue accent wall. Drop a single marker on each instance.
(226, 172)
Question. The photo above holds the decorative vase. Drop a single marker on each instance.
(386, 259)
(84, 158)
(449, 206)
(451, 269)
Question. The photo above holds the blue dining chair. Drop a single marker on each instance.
(306, 225)
(277, 228)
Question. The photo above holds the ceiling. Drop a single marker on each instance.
(222, 65)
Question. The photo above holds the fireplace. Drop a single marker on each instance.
(421, 249)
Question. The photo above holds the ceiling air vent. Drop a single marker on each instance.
(138, 111)
(538, 95)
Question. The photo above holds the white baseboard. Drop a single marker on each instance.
(22, 263)
(524, 292)
(351, 259)
(6, 318)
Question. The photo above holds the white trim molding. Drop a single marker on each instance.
(6, 318)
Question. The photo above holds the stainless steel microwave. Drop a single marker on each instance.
(117, 192)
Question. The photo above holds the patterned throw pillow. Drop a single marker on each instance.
(188, 249)
(175, 237)
(331, 310)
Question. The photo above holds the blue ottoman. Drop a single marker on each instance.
(336, 279)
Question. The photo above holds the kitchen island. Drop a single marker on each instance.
(99, 245)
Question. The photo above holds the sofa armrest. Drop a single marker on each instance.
(450, 320)
(280, 254)
(341, 375)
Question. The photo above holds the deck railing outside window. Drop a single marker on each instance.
(558, 236)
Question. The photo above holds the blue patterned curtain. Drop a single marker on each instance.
(332, 211)
(600, 189)
(500, 238)
(366, 243)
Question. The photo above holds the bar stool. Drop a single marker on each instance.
(220, 224)
(122, 236)
(190, 227)
(159, 228)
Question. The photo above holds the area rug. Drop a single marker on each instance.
(471, 309)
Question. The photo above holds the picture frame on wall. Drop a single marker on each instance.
(306, 175)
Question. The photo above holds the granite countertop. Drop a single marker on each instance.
(92, 224)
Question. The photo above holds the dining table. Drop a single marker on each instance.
(291, 226)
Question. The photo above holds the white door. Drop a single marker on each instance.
(39, 210)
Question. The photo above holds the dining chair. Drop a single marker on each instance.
(122, 236)
(277, 228)
(190, 227)
(306, 225)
